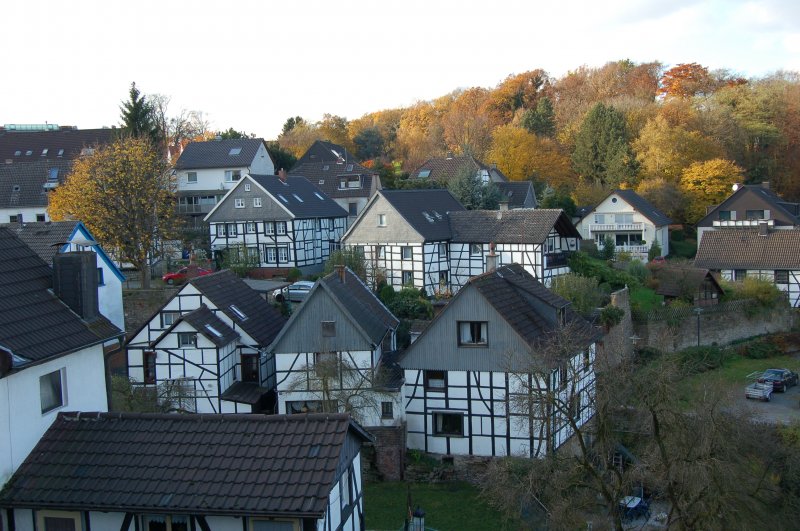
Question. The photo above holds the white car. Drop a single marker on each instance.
(298, 292)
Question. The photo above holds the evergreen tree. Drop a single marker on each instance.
(542, 120)
(602, 154)
(138, 117)
(471, 192)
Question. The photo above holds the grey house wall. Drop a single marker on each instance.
(305, 333)
(270, 210)
(366, 229)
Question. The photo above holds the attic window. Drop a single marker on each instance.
(280, 196)
(322, 181)
(44, 152)
(234, 151)
(424, 174)
(239, 313)
(213, 330)
(53, 175)
(328, 328)
(319, 196)
(297, 197)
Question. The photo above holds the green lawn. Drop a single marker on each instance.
(448, 506)
(645, 298)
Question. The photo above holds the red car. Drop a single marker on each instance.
(180, 275)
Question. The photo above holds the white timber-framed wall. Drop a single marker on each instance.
(786, 280)
(206, 369)
(252, 217)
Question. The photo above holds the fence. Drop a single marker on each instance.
(682, 312)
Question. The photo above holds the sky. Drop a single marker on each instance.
(251, 65)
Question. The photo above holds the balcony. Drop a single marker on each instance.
(616, 227)
(743, 222)
(195, 209)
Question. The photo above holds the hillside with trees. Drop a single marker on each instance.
(679, 136)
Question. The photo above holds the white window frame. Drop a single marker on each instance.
(280, 228)
(221, 230)
(250, 227)
(407, 252)
(271, 255)
(62, 383)
(182, 336)
(403, 275)
(257, 202)
(269, 227)
(381, 220)
(232, 229)
(191, 177)
(283, 254)
(232, 176)
(475, 249)
(238, 202)
(168, 318)
(246, 187)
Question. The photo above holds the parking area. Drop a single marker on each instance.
(782, 407)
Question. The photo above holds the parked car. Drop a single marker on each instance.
(298, 292)
(781, 379)
(182, 274)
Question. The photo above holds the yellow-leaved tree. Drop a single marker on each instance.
(125, 194)
(522, 155)
(707, 184)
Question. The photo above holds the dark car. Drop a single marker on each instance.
(182, 274)
(781, 379)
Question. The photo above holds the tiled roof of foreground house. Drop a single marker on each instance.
(747, 249)
(259, 465)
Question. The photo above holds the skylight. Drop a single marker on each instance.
(44, 152)
(283, 199)
(15, 188)
(424, 173)
(17, 153)
(213, 330)
(297, 197)
(60, 152)
(428, 217)
(438, 216)
(29, 153)
(234, 151)
(239, 313)
(319, 196)
(349, 167)
(325, 168)
(322, 181)
(53, 176)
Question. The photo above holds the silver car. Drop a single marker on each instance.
(298, 292)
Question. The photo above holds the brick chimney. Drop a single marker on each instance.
(504, 205)
(340, 273)
(491, 258)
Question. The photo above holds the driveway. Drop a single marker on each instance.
(783, 407)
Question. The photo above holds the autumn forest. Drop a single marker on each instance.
(680, 136)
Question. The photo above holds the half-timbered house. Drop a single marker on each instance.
(208, 347)
(404, 237)
(161, 472)
(772, 255)
(330, 354)
(486, 378)
(281, 222)
(348, 183)
(540, 240)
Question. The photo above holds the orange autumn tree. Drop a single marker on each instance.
(125, 195)
(522, 155)
(707, 184)
(686, 80)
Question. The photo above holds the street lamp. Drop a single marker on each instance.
(697, 311)
(418, 520)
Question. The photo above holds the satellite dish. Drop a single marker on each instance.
(735, 186)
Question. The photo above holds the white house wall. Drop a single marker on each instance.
(792, 288)
(22, 422)
(28, 214)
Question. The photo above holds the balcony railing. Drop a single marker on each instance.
(194, 209)
(743, 222)
(615, 227)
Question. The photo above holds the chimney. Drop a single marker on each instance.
(282, 175)
(75, 282)
(491, 258)
(340, 273)
(449, 155)
(503, 205)
(763, 228)
(218, 137)
(765, 185)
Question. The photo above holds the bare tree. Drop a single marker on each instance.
(337, 383)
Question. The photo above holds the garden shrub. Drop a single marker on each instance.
(759, 350)
(294, 275)
(701, 359)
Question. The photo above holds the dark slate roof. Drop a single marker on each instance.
(425, 210)
(325, 176)
(391, 376)
(515, 193)
(359, 301)
(217, 154)
(644, 207)
(745, 249)
(72, 141)
(324, 151)
(224, 289)
(313, 203)
(42, 236)
(447, 168)
(245, 393)
(680, 281)
(201, 317)
(790, 210)
(524, 225)
(22, 185)
(259, 465)
(527, 306)
(34, 323)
